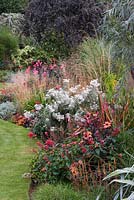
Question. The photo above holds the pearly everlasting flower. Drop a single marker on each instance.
(50, 108)
(38, 107)
(94, 83)
(74, 89)
(52, 129)
(28, 114)
(58, 116)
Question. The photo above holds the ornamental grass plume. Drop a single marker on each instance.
(25, 87)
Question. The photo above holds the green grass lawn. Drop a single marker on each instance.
(15, 156)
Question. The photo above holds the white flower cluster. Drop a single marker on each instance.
(28, 114)
(62, 100)
(38, 107)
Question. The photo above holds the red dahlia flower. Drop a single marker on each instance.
(49, 143)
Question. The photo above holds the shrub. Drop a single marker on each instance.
(90, 147)
(72, 19)
(118, 28)
(8, 45)
(62, 104)
(7, 109)
(12, 6)
(72, 139)
(54, 46)
(24, 57)
(4, 74)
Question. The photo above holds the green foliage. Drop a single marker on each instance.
(38, 98)
(95, 58)
(110, 82)
(119, 29)
(126, 139)
(15, 6)
(45, 51)
(4, 75)
(24, 57)
(64, 192)
(8, 44)
(54, 45)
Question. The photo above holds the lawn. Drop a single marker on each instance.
(15, 155)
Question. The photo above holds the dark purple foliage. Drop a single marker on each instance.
(74, 19)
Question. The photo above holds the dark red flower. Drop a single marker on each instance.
(46, 134)
(115, 132)
(49, 142)
(90, 141)
(46, 147)
(31, 135)
(84, 150)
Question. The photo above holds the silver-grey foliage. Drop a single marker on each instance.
(118, 27)
(7, 109)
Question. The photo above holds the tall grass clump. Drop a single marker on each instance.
(92, 61)
(64, 192)
(25, 87)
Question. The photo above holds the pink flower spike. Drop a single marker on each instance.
(62, 66)
(51, 67)
(44, 74)
(28, 70)
(35, 72)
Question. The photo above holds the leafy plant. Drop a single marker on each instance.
(8, 44)
(7, 109)
(12, 6)
(118, 28)
(4, 74)
(125, 191)
(25, 56)
(91, 145)
(54, 46)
